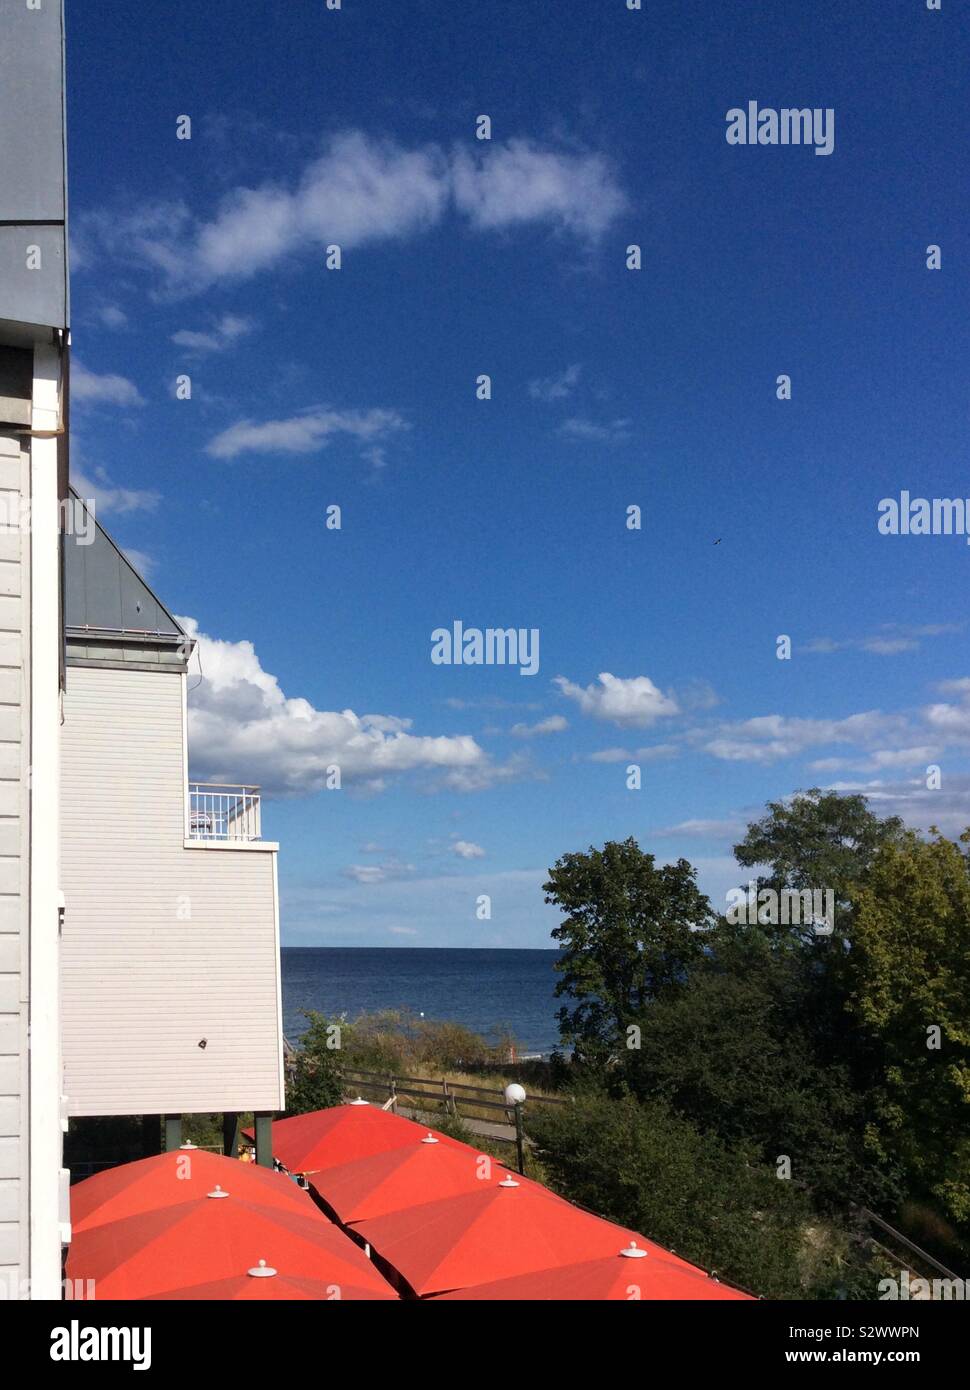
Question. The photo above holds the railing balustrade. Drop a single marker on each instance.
(221, 812)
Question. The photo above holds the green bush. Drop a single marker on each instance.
(652, 1172)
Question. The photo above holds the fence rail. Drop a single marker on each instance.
(908, 1244)
(218, 811)
(450, 1093)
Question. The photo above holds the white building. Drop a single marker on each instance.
(138, 916)
(33, 477)
(170, 949)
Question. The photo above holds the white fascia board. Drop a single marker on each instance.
(45, 1083)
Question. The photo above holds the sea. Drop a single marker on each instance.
(492, 992)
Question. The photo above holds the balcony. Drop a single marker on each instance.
(223, 813)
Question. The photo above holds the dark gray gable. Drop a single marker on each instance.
(104, 592)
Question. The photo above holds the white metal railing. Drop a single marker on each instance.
(220, 812)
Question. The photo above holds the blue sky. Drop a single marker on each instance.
(610, 388)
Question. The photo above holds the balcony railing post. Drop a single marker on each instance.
(222, 812)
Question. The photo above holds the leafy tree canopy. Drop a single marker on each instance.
(315, 1080)
(630, 934)
(911, 986)
(817, 840)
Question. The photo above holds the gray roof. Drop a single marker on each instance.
(33, 199)
(104, 592)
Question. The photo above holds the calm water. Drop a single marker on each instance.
(485, 990)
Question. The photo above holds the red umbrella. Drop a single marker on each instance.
(190, 1246)
(325, 1138)
(423, 1170)
(283, 1287)
(169, 1179)
(629, 1275)
(505, 1229)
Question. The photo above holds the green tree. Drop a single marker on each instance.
(630, 934)
(653, 1172)
(910, 966)
(315, 1081)
(742, 1053)
(817, 839)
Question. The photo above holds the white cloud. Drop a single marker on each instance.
(947, 807)
(222, 335)
(242, 728)
(890, 640)
(650, 753)
(707, 829)
(772, 736)
(439, 909)
(635, 702)
(581, 430)
(306, 433)
(611, 755)
(143, 563)
(555, 388)
(109, 498)
(697, 695)
(107, 389)
(390, 870)
(890, 646)
(362, 190)
(521, 182)
(113, 317)
(553, 725)
(880, 759)
(481, 776)
(467, 849)
(949, 721)
(490, 702)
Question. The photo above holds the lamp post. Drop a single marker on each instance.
(515, 1097)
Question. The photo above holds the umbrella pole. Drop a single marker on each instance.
(264, 1139)
(230, 1135)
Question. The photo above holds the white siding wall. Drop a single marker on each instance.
(142, 983)
(13, 868)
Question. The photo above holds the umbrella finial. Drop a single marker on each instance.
(509, 1182)
(633, 1252)
(218, 1192)
(359, 1101)
(429, 1138)
(261, 1271)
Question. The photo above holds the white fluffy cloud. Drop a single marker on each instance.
(772, 736)
(522, 182)
(555, 724)
(651, 753)
(948, 721)
(108, 497)
(630, 703)
(106, 389)
(467, 849)
(555, 388)
(363, 190)
(216, 339)
(890, 640)
(242, 728)
(947, 807)
(389, 870)
(307, 433)
(583, 431)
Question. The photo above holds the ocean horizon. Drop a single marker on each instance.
(492, 991)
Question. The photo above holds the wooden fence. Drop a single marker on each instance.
(454, 1097)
